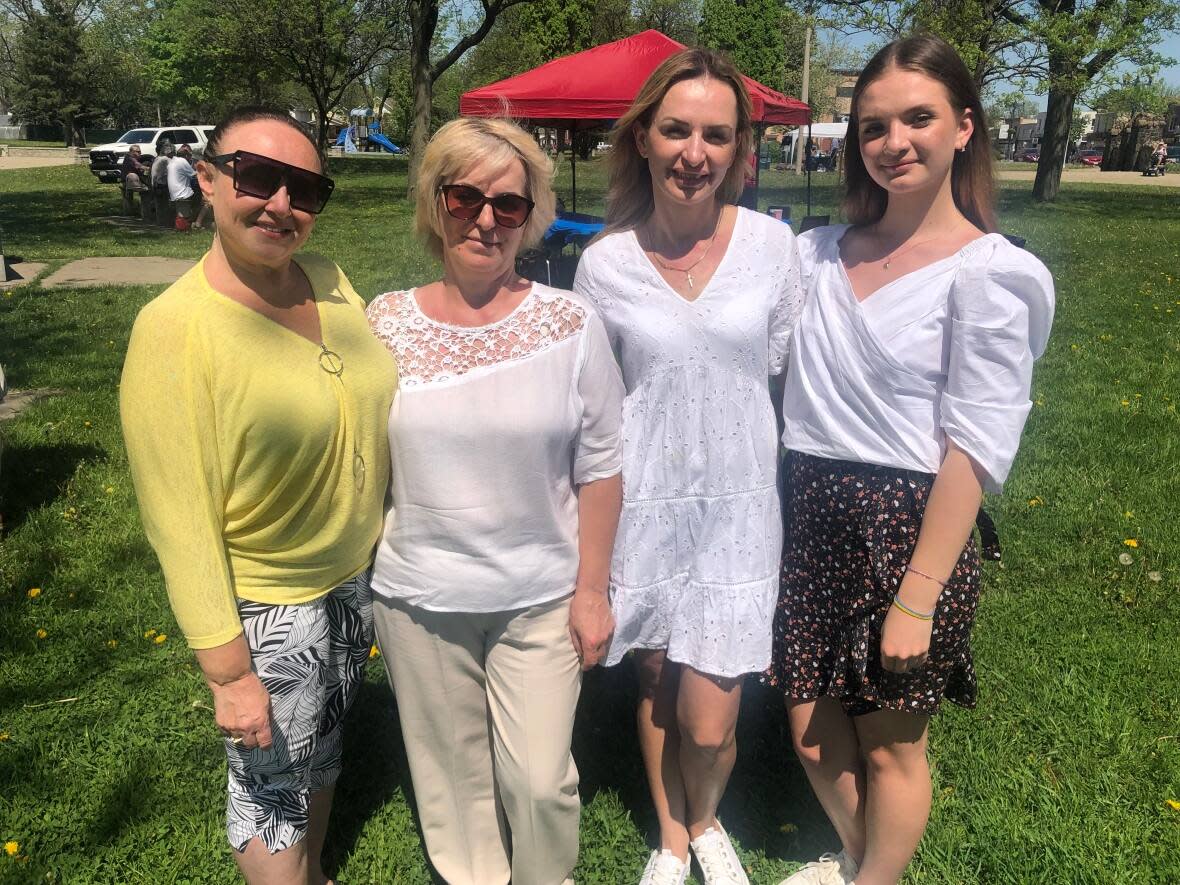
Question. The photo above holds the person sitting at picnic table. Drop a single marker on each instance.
(253, 403)
(132, 173)
(161, 200)
(185, 199)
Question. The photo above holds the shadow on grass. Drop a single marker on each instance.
(768, 805)
(34, 476)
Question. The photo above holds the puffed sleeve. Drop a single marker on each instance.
(788, 302)
(166, 408)
(1001, 314)
(599, 397)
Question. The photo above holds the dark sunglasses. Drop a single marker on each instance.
(465, 202)
(259, 176)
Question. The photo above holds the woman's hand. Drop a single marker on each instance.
(591, 625)
(242, 711)
(905, 641)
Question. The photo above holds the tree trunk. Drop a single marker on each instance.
(1054, 143)
(321, 127)
(423, 21)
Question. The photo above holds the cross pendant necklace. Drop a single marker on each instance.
(687, 271)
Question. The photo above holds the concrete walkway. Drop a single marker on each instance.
(34, 162)
(146, 271)
(1097, 176)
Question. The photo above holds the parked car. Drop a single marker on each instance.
(1174, 154)
(1090, 158)
(1032, 155)
(106, 159)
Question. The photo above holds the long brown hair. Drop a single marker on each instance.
(972, 182)
(629, 199)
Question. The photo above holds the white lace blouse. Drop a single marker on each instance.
(492, 430)
(944, 351)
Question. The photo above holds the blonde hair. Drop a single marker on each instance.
(465, 143)
(629, 198)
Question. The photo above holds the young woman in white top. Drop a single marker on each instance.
(906, 394)
(698, 297)
(490, 580)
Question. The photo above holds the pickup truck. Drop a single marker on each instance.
(106, 159)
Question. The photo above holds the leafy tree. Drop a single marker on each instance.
(426, 68)
(751, 31)
(1132, 96)
(673, 18)
(1007, 105)
(51, 82)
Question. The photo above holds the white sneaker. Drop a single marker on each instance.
(664, 868)
(830, 869)
(719, 862)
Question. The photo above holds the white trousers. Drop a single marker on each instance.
(487, 705)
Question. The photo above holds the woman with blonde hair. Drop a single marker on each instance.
(699, 298)
(490, 579)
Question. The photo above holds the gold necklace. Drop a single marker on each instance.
(687, 271)
(889, 259)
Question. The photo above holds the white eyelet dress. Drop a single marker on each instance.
(696, 560)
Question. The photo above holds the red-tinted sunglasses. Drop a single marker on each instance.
(465, 202)
(261, 177)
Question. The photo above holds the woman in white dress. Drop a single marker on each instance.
(698, 297)
(906, 394)
(490, 578)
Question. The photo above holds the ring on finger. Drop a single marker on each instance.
(237, 741)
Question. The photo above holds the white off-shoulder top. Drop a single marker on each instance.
(945, 351)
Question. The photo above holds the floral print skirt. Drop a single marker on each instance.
(850, 531)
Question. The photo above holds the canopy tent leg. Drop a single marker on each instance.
(807, 159)
(573, 172)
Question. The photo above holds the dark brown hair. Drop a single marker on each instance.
(629, 199)
(250, 114)
(972, 184)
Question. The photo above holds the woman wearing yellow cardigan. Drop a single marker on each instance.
(254, 402)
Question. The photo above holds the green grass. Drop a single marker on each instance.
(1062, 774)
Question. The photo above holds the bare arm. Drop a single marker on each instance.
(946, 526)
(241, 704)
(591, 622)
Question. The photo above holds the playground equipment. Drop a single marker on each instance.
(364, 134)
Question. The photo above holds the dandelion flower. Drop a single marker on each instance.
(1154, 577)
(1036, 502)
(1125, 402)
(1128, 514)
(112, 643)
(4, 735)
(1172, 804)
(109, 489)
(374, 652)
(34, 592)
(161, 638)
(42, 632)
(1126, 558)
(1131, 542)
(85, 423)
(149, 634)
(12, 849)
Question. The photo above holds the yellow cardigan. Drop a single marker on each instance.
(260, 475)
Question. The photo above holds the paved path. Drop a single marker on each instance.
(22, 273)
(148, 270)
(1097, 176)
(33, 162)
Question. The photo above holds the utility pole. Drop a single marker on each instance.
(806, 90)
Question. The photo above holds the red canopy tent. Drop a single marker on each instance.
(583, 90)
(587, 89)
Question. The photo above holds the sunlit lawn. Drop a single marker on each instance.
(111, 770)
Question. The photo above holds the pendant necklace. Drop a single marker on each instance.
(889, 259)
(687, 271)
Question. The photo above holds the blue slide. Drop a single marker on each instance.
(387, 145)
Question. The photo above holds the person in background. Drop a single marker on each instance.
(699, 298)
(133, 172)
(253, 402)
(181, 180)
(490, 580)
(906, 395)
(161, 199)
